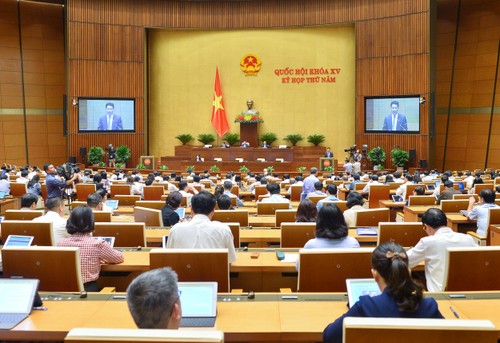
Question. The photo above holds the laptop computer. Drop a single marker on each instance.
(108, 239)
(199, 303)
(181, 211)
(18, 241)
(16, 301)
(359, 287)
(430, 187)
(397, 198)
(113, 204)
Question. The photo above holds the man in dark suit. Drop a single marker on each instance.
(265, 145)
(328, 152)
(110, 121)
(395, 121)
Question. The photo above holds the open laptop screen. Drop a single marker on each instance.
(112, 204)
(359, 287)
(198, 299)
(16, 295)
(18, 241)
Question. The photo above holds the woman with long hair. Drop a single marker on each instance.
(306, 212)
(401, 296)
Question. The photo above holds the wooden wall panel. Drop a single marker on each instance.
(106, 56)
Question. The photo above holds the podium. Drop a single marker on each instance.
(249, 132)
(148, 161)
(327, 162)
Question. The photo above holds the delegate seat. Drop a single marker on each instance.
(231, 216)
(83, 190)
(421, 200)
(22, 215)
(126, 234)
(377, 193)
(270, 208)
(18, 189)
(406, 234)
(148, 216)
(453, 206)
(119, 189)
(295, 192)
(127, 200)
(153, 192)
(155, 204)
(295, 235)
(41, 231)
(372, 217)
(284, 216)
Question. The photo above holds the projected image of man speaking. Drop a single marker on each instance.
(110, 121)
(395, 121)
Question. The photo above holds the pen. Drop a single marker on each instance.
(39, 308)
(454, 312)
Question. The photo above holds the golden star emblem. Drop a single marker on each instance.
(218, 102)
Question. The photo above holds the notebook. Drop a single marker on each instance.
(112, 204)
(397, 198)
(16, 300)
(359, 287)
(199, 303)
(18, 241)
(108, 239)
(181, 211)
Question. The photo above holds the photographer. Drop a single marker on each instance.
(55, 186)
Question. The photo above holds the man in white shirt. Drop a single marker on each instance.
(55, 212)
(432, 249)
(331, 195)
(23, 178)
(373, 181)
(481, 211)
(201, 232)
(274, 195)
(402, 189)
(468, 180)
(171, 186)
(228, 186)
(187, 191)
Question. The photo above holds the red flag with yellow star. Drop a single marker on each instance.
(219, 119)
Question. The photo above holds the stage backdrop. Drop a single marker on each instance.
(317, 98)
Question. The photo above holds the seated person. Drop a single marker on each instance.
(92, 251)
(224, 202)
(265, 145)
(274, 195)
(401, 296)
(331, 195)
(228, 186)
(245, 144)
(318, 190)
(354, 203)
(225, 145)
(28, 202)
(331, 230)
(94, 201)
(477, 181)
(447, 193)
(55, 213)
(187, 191)
(104, 194)
(480, 211)
(173, 201)
(153, 300)
(306, 212)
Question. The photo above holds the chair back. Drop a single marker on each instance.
(57, 268)
(287, 216)
(477, 188)
(271, 207)
(102, 216)
(316, 198)
(75, 204)
(325, 270)
(126, 234)
(235, 229)
(235, 190)
(406, 234)
(342, 205)
(453, 206)
(296, 235)
(465, 196)
(83, 190)
(22, 215)
(18, 189)
(410, 187)
(295, 193)
(195, 264)
(260, 190)
(148, 216)
(106, 335)
(421, 200)
(119, 189)
(231, 216)
(43, 192)
(377, 193)
(155, 204)
(360, 185)
(416, 330)
(153, 192)
(372, 217)
(126, 200)
(481, 265)
(41, 231)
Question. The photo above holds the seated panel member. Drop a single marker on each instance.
(154, 301)
(401, 296)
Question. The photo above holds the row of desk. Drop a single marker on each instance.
(267, 318)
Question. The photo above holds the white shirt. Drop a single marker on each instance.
(201, 233)
(22, 180)
(188, 196)
(432, 250)
(367, 187)
(58, 225)
(277, 198)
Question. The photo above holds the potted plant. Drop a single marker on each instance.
(244, 169)
(140, 166)
(206, 138)
(270, 169)
(301, 169)
(123, 154)
(316, 139)
(190, 169)
(328, 169)
(231, 138)
(293, 138)
(377, 156)
(102, 164)
(214, 169)
(185, 138)
(119, 165)
(163, 167)
(399, 158)
(95, 155)
(269, 137)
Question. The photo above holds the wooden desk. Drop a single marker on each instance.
(394, 207)
(267, 318)
(414, 213)
(10, 204)
(460, 223)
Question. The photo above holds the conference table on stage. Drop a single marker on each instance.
(271, 317)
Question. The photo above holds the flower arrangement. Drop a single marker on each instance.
(248, 118)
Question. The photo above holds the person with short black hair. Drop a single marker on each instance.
(331, 230)
(228, 186)
(274, 195)
(401, 295)
(354, 204)
(54, 215)
(172, 203)
(481, 210)
(153, 300)
(34, 186)
(224, 202)
(92, 251)
(28, 202)
(55, 186)
(477, 181)
(331, 195)
(447, 193)
(318, 190)
(187, 191)
(432, 249)
(94, 201)
(201, 232)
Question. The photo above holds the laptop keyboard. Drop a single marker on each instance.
(198, 322)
